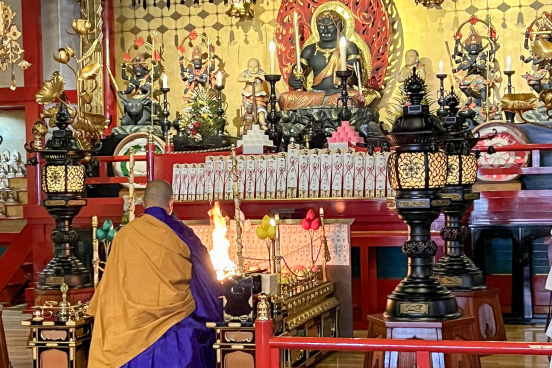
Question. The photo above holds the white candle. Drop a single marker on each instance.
(343, 53)
(296, 34)
(508, 63)
(272, 51)
(441, 67)
(219, 78)
(165, 80)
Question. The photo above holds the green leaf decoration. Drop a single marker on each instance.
(101, 234)
(107, 225)
(111, 234)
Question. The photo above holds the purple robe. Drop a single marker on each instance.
(188, 343)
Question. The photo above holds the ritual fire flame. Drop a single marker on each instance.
(222, 263)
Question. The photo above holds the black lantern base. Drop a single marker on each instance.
(456, 270)
(420, 296)
(459, 273)
(68, 270)
(421, 299)
(64, 266)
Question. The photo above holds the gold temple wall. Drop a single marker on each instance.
(425, 30)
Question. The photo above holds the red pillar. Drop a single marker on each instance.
(263, 333)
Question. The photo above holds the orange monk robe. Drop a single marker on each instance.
(144, 291)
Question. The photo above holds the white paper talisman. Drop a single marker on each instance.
(260, 178)
(176, 182)
(200, 187)
(337, 173)
(360, 158)
(184, 181)
(250, 173)
(292, 170)
(348, 173)
(304, 173)
(325, 174)
(209, 186)
(192, 173)
(271, 176)
(219, 178)
(281, 175)
(381, 174)
(370, 177)
(228, 179)
(314, 181)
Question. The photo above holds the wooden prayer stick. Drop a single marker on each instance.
(237, 211)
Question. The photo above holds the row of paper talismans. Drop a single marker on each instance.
(299, 173)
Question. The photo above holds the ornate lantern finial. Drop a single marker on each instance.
(263, 308)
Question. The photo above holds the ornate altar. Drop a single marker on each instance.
(59, 334)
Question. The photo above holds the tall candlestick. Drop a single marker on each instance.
(343, 53)
(441, 67)
(219, 78)
(296, 34)
(508, 63)
(272, 51)
(165, 80)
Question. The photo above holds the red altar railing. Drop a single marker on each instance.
(267, 347)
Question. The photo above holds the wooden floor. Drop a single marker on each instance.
(20, 356)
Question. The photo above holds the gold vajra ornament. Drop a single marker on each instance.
(88, 126)
(10, 50)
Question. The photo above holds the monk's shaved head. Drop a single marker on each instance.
(159, 194)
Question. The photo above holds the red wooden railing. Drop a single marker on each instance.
(104, 178)
(267, 347)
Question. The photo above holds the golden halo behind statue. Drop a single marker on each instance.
(205, 41)
(348, 31)
(489, 36)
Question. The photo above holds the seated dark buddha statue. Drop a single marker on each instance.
(321, 57)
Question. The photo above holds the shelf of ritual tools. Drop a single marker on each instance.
(307, 307)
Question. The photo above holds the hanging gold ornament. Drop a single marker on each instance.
(10, 50)
(241, 8)
(430, 3)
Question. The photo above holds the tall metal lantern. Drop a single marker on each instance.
(455, 269)
(417, 170)
(63, 182)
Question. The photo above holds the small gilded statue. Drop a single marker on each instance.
(538, 41)
(254, 98)
(411, 60)
(477, 69)
(197, 75)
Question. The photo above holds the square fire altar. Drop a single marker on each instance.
(290, 262)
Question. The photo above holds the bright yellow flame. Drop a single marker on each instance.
(222, 263)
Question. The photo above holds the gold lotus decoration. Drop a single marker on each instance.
(87, 124)
(518, 102)
(51, 90)
(10, 50)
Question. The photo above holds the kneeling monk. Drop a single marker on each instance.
(158, 290)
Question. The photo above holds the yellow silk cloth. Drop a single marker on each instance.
(144, 291)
